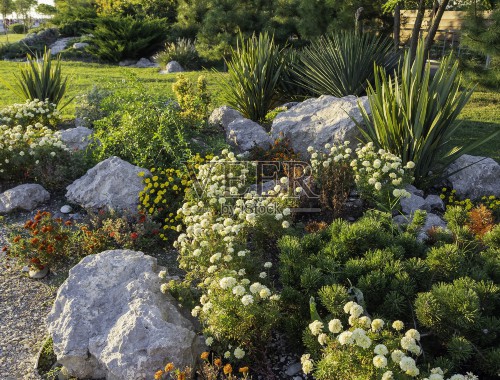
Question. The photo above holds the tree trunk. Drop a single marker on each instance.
(397, 26)
(415, 33)
(429, 40)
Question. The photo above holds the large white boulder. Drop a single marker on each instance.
(245, 134)
(112, 183)
(318, 121)
(223, 116)
(111, 321)
(173, 67)
(480, 177)
(76, 138)
(23, 197)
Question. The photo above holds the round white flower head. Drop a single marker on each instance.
(335, 326)
(316, 327)
(238, 290)
(397, 355)
(209, 341)
(247, 300)
(378, 186)
(227, 282)
(264, 292)
(164, 288)
(256, 287)
(268, 265)
(307, 366)
(262, 274)
(239, 353)
(436, 376)
(310, 149)
(348, 306)
(322, 339)
(388, 375)
(380, 361)
(407, 363)
(353, 320)
(457, 377)
(356, 311)
(227, 354)
(380, 349)
(377, 324)
(195, 311)
(412, 333)
(162, 274)
(285, 224)
(398, 325)
(345, 338)
(365, 321)
(410, 164)
(437, 370)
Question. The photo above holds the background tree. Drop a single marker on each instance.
(6, 7)
(46, 9)
(23, 8)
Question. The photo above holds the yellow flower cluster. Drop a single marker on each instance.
(491, 202)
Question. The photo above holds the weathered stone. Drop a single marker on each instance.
(110, 320)
(127, 62)
(23, 197)
(244, 135)
(413, 190)
(112, 183)
(77, 138)
(316, 122)
(293, 369)
(223, 116)
(80, 45)
(412, 204)
(434, 202)
(59, 45)
(145, 63)
(66, 209)
(432, 220)
(173, 67)
(480, 177)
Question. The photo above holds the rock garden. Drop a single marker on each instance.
(311, 225)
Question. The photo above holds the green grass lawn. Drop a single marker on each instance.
(480, 117)
(11, 38)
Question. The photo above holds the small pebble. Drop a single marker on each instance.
(66, 209)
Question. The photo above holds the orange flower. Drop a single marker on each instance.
(28, 224)
(205, 355)
(218, 362)
(227, 369)
(38, 216)
(158, 374)
(17, 238)
(34, 241)
(181, 376)
(169, 367)
(134, 235)
(68, 223)
(243, 369)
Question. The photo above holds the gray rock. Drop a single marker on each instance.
(77, 138)
(80, 122)
(173, 67)
(412, 204)
(66, 209)
(316, 122)
(111, 321)
(293, 369)
(59, 45)
(80, 45)
(127, 62)
(244, 135)
(289, 105)
(479, 179)
(38, 274)
(263, 187)
(434, 202)
(432, 220)
(413, 190)
(23, 197)
(145, 63)
(401, 220)
(223, 116)
(112, 183)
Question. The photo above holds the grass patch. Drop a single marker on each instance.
(11, 38)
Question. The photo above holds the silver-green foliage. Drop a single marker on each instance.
(254, 75)
(341, 64)
(413, 114)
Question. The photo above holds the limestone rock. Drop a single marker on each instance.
(413, 190)
(434, 202)
(80, 45)
(110, 320)
(223, 116)
(127, 62)
(76, 138)
(23, 197)
(316, 122)
(244, 135)
(481, 178)
(145, 63)
(432, 220)
(173, 67)
(413, 203)
(112, 183)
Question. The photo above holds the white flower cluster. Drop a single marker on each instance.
(357, 335)
(19, 144)
(29, 112)
(213, 248)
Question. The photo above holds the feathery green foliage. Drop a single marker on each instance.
(341, 64)
(254, 75)
(413, 115)
(42, 79)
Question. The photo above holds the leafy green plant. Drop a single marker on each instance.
(182, 51)
(254, 74)
(341, 64)
(42, 79)
(413, 114)
(117, 38)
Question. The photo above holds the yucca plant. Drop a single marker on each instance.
(254, 73)
(413, 114)
(41, 78)
(341, 64)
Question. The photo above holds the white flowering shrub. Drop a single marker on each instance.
(23, 149)
(379, 175)
(365, 348)
(30, 112)
(224, 251)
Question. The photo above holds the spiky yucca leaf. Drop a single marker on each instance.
(341, 64)
(41, 78)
